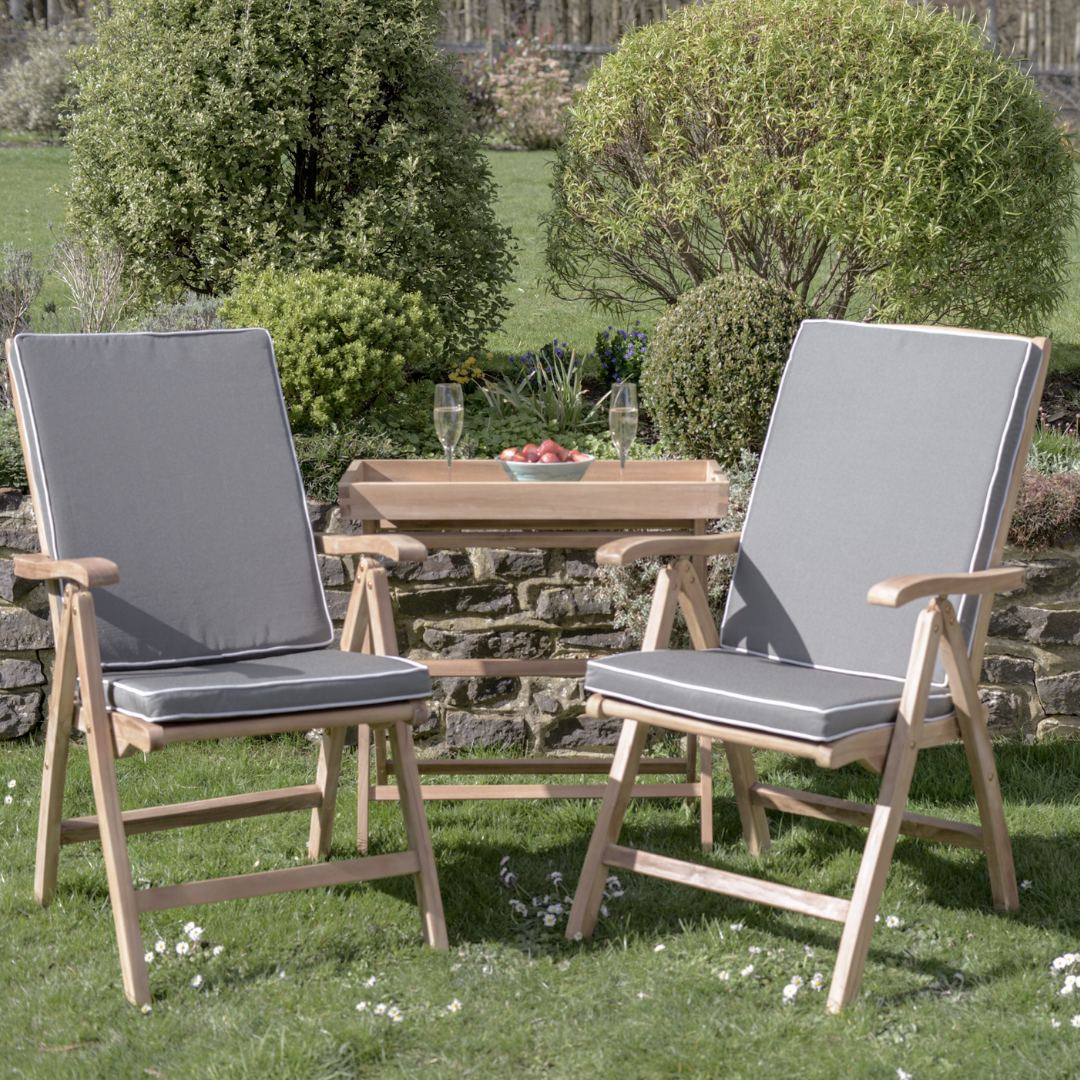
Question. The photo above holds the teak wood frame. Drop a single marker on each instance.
(111, 735)
(891, 751)
(482, 508)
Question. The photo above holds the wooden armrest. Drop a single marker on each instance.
(898, 591)
(628, 550)
(394, 546)
(87, 572)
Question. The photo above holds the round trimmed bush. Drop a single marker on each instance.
(339, 340)
(714, 365)
(873, 157)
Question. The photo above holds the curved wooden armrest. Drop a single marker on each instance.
(621, 552)
(87, 572)
(898, 591)
(394, 546)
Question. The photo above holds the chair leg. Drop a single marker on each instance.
(705, 753)
(363, 786)
(54, 771)
(971, 717)
(755, 824)
(322, 816)
(101, 748)
(428, 896)
(620, 789)
(888, 814)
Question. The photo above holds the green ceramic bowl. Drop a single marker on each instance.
(533, 471)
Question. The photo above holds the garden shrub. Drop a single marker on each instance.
(12, 466)
(1047, 510)
(20, 284)
(191, 312)
(531, 89)
(340, 340)
(714, 365)
(323, 456)
(621, 353)
(34, 89)
(232, 135)
(875, 158)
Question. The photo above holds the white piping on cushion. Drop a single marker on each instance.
(745, 697)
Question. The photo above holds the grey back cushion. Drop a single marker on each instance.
(171, 455)
(890, 451)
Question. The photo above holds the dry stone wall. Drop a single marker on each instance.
(479, 603)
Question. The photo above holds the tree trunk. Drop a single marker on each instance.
(991, 25)
(17, 10)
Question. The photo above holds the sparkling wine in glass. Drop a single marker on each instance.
(449, 418)
(622, 420)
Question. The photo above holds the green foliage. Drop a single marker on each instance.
(1053, 451)
(324, 456)
(339, 340)
(621, 353)
(875, 157)
(191, 312)
(12, 467)
(35, 88)
(715, 363)
(326, 134)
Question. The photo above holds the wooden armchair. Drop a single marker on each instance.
(187, 605)
(891, 451)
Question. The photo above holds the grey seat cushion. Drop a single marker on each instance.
(754, 692)
(290, 682)
(171, 455)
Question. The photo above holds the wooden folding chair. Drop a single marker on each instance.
(168, 457)
(891, 451)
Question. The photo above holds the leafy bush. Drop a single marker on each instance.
(189, 313)
(340, 340)
(12, 466)
(1047, 510)
(324, 456)
(20, 284)
(322, 134)
(715, 363)
(34, 89)
(1053, 451)
(531, 89)
(873, 157)
(621, 353)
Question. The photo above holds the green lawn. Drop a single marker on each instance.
(954, 990)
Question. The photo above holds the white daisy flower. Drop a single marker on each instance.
(195, 933)
(196, 981)
(487, 969)
(454, 1006)
(504, 860)
(380, 1008)
(549, 919)
(219, 949)
(737, 926)
(1068, 987)
(901, 1075)
(555, 909)
(160, 946)
(613, 881)
(145, 1009)
(555, 876)
(1076, 1021)
(8, 800)
(564, 965)
(818, 981)
(281, 974)
(182, 948)
(1059, 963)
(361, 1006)
(748, 970)
(149, 957)
(660, 948)
(395, 1014)
(641, 995)
(754, 950)
(579, 936)
(892, 921)
(188, 927)
(11, 783)
(455, 967)
(877, 918)
(723, 976)
(370, 982)
(795, 980)
(790, 991)
(1055, 1022)
(809, 952)
(1025, 885)
(603, 910)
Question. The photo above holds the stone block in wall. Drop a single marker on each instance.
(331, 570)
(618, 641)
(470, 599)
(321, 515)
(514, 563)
(16, 672)
(462, 692)
(564, 603)
(508, 644)
(580, 565)
(1043, 626)
(1007, 711)
(337, 603)
(1007, 669)
(1047, 577)
(578, 733)
(438, 566)
(11, 587)
(464, 730)
(19, 714)
(19, 537)
(22, 629)
(1060, 693)
(1058, 727)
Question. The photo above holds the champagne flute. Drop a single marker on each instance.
(449, 419)
(622, 420)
